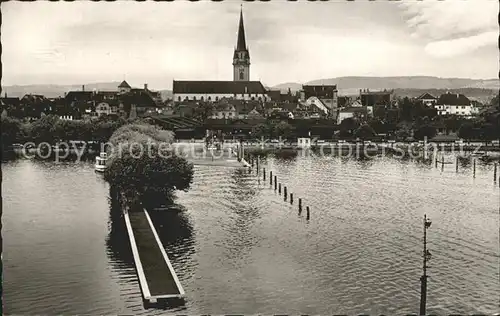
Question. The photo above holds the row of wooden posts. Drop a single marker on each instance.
(473, 168)
(277, 186)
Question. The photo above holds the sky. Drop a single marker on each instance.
(157, 42)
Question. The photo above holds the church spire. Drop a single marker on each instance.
(242, 45)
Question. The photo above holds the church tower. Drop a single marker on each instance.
(241, 57)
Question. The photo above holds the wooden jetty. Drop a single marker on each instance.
(220, 158)
(157, 277)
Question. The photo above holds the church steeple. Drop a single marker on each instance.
(241, 57)
(242, 45)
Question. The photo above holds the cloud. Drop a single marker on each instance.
(464, 45)
(452, 27)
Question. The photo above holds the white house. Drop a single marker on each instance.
(454, 104)
(106, 108)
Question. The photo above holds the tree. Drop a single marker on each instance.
(452, 123)
(364, 132)
(347, 126)
(261, 130)
(151, 177)
(425, 131)
(489, 132)
(378, 126)
(11, 130)
(466, 131)
(203, 111)
(283, 129)
(42, 130)
(406, 110)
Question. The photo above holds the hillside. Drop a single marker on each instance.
(53, 91)
(351, 85)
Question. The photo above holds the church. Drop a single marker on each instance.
(240, 88)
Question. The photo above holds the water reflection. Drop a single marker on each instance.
(176, 234)
(244, 212)
(117, 242)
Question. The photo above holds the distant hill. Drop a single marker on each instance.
(289, 85)
(351, 85)
(53, 91)
(479, 94)
(166, 94)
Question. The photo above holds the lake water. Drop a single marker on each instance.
(239, 248)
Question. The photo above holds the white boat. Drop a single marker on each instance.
(100, 162)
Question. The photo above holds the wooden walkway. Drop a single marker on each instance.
(225, 158)
(157, 277)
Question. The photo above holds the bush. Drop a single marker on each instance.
(364, 132)
(425, 131)
(11, 131)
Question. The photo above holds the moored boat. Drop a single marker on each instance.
(100, 162)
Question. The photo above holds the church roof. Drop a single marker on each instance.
(241, 45)
(220, 87)
(124, 84)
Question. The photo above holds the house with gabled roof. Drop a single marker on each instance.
(124, 87)
(454, 104)
(427, 99)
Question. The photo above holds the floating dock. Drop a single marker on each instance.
(157, 277)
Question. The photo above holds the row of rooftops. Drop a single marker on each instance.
(140, 97)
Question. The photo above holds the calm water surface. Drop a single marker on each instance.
(239, 248)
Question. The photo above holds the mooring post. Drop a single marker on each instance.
(264, 174)
(279, 188)
(495, 173)
(284, 194)
(300, 205)
(291, 198)
(275, 183)
(474, 174)
(442, 163)
(307, 213)
(251, 159)
(257, 162)
(457, 164)
(436, 159)
(270, 177)
(423, 278)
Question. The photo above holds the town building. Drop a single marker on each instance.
(374, 98)
(427, 99)
(455, 104)
(213, 91)
(97, 103)
(324, 97)
(241, 88)
(360, 113)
